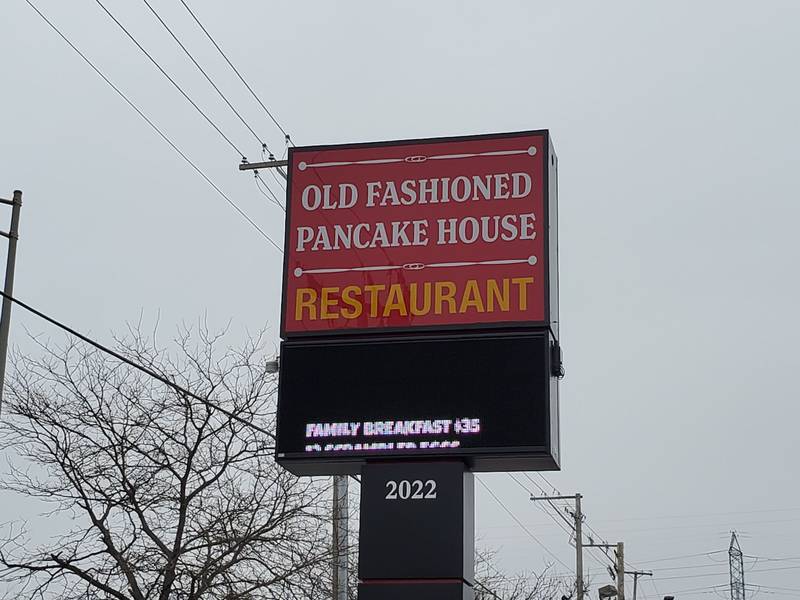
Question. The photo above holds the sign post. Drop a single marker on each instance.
(417, 530)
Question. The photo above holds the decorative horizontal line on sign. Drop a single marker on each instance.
(417, 158)
(531, 260)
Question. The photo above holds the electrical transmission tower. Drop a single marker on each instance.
(737, 568)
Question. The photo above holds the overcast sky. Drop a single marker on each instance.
(676, 128)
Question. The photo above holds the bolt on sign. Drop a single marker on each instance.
(423, 234)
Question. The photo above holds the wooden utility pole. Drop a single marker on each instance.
(578, 516)
(636, 575)
(340, 516)
(620, 565)
(340, 537)
(578, 547)
(269, 164)
(8, 288)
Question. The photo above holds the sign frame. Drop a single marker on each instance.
(549, 258)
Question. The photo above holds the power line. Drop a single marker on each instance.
(269, 194)
(712, 565)
(208, 78)
(726, 573)
(520, 523)
(170, 79)
(573, 530)
(592, 549)
(550, 502)
(265, 157)
(568, 530)
(772, 587)
(699, 515)
(277, 180)
(766, 559)
(647, 562)
(235, 70)
(137, 366)
(603, 551)
(555, 508)
(155, 127)
(699, 589)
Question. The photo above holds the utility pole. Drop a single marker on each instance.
(340, 511)
(620, 566)
(636, 575)
(620, 571)
(340, 541)
(578, 547)
(268, 164)
(578, 516)
(278, 165)
(736, 562)
(8, 288)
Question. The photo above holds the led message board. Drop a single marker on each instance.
(488, 398)
(421, 235)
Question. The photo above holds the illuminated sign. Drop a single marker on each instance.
(441, 233)
(420, 305)
(489, 398)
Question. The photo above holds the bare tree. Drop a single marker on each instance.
(165, 497)
(491, 583)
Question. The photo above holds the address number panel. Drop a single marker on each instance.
(411, 489)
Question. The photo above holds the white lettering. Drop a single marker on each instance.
(527, 223)
(516, 191)
(304, 235)
(373, 191)
(311, 204)
(501, 186)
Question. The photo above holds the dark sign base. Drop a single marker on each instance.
(417, 522)
(418, 590)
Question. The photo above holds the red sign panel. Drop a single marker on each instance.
(436, 233)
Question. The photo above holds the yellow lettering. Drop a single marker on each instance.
(415, 299)
(522, 282)
(328, 302)
(373, 297)
(493, 293)
(349, 300)
(395, 301)
(471, 298)
(445, 296)
(305, 298)
(426, 299)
